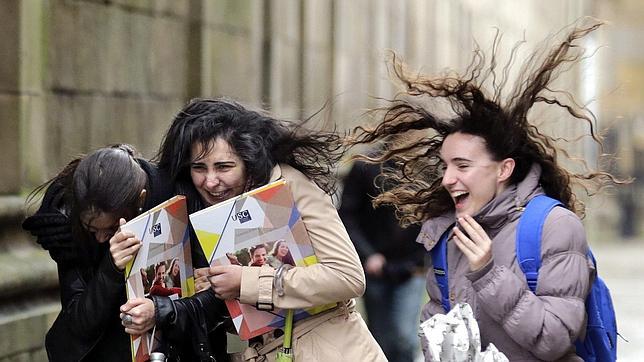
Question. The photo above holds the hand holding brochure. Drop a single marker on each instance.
(262, 226)
(163, 264)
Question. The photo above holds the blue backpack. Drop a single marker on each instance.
(600, 343)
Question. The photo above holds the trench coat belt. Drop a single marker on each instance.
(257, 352)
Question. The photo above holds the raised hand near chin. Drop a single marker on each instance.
(473, 242)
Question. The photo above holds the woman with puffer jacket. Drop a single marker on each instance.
(470, 178)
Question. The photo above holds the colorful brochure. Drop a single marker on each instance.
(262, 226)
(163, 265)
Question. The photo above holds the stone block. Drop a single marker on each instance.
(234, 15)
(285, 92)
(167, 59)
(23, 325)
(135, 5)
(26, 267)
(318, 23)
(317, 57)
(100, 117)
(136, 53)
(33, 140)
(32, 43)
(38, 355)
(174, 8)
(57, 108)
(68, 129)
(351, 77)
(91, 54)
(156, 118)
(62, 42)
(119, 58)
(235, 67)
(129, 121)
(10, 141)
(9, 45)
(317, 80)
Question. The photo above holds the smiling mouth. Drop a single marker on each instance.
(460, 198)
(219, 196)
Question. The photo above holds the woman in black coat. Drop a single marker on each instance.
(79, 218)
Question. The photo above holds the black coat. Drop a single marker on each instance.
(377, 230)
(91, 291)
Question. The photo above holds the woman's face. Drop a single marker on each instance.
(101, 225)
(282, 250)
(471, 176)
(175, 269)
(219, 174)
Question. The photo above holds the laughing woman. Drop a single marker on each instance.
(470, 179)
(217, 149)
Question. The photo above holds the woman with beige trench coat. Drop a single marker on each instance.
(217, 149)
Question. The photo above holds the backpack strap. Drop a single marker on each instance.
(439, 262)
(528, 237)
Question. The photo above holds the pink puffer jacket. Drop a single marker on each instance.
(522, 325)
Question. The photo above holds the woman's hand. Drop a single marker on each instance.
(201, 279)
(226, 280)
(123, 247)
(477, 247)
(137, 316)
(375, 264)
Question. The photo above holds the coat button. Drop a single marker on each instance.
(452, 297)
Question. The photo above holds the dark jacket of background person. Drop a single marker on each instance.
(377, 230)
(91, 289)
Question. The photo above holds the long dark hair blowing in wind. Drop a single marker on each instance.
(503, 122)
(260, 140)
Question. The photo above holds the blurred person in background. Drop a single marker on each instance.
(393, 262)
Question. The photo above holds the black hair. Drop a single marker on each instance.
(107, 180)
(260, 140)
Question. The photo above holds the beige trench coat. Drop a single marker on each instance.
(336, 335)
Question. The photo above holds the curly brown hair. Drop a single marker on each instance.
(504, 125)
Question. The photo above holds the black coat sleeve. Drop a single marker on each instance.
(88, 305)
(52, 228)
(188, 324)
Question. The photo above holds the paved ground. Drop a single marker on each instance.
(621, 265)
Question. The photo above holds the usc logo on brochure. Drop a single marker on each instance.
(156, 229)
(243, 216)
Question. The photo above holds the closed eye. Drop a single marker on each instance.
(225, 166)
